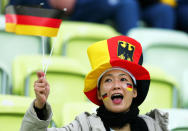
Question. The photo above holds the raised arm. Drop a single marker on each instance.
(39, 115)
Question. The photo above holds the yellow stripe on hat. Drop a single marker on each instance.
(101, 57)
(36, 30)
(92, 77)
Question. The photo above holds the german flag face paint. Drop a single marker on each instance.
(129, 87)
(104, 96)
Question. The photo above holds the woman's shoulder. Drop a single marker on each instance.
(92, 121)
(89, 118)
(156, 120)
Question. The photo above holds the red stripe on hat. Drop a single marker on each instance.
(92, 95)
(138, 71)
(33, 20)
(113, 47)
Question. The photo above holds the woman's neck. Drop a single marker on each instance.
(127, 127)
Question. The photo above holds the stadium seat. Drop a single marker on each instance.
(15, 45)
(65, 76)
(2, 22)
(163, 91)
(178, 119)
(167, 49)
(4, 80)
(12, 110)
(181, 129)
(3, 4)
(74, 38)
(185, 88)
(71, 109)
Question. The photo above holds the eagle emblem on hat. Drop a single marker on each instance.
(125, 50)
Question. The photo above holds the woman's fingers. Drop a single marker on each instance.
(41, 88)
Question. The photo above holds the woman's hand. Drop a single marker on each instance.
(42, 89)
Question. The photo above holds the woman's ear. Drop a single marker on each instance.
(99, 95)
(134, 92)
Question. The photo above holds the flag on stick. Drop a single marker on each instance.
(27, 20)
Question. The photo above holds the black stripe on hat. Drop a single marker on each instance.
(141, 60)
(142, 91)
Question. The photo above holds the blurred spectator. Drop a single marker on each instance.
(125, 14)
(157, 14)
(182, 15)
(60, 4)
(42, 3)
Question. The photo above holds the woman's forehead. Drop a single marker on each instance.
(116, 73)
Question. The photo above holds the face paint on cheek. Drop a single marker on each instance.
(104, 96)
(129, 87)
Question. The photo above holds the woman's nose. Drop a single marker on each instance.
(116, 85)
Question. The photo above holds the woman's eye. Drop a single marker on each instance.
(108, 80)
(123, 79)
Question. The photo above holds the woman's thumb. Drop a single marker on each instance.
(40, 74)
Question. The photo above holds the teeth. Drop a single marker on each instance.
(117, 94)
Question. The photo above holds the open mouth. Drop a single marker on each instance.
(117, 98)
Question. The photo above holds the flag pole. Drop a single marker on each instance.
(43, 53)
(48, 62)
(45, 68)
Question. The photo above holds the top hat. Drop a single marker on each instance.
(122, 52)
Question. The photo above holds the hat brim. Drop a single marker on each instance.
(140, 73)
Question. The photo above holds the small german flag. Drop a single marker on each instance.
(129, 87)
(38, 21)
(104, 96)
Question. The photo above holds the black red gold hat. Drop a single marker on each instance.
(120, 51)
